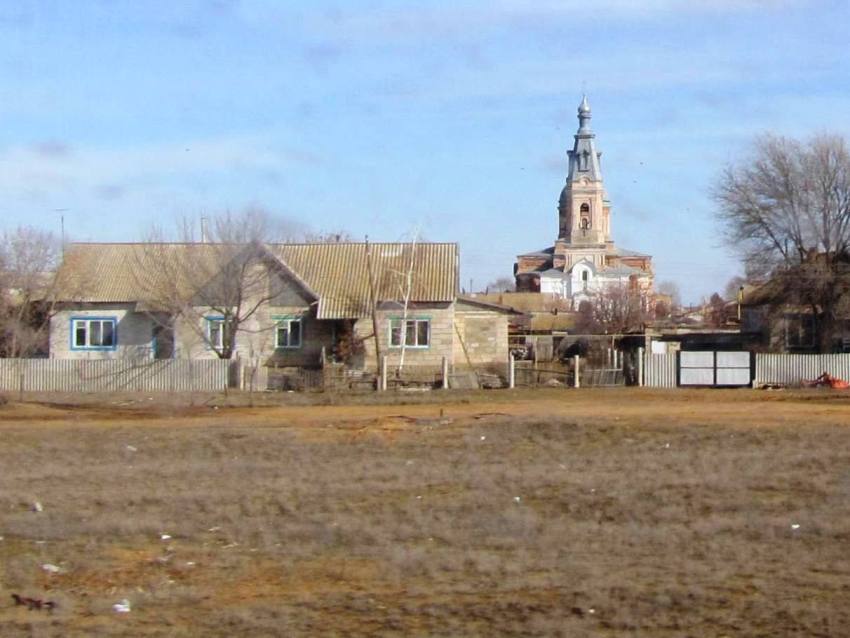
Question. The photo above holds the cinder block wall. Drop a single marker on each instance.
(441, 342)
(484, 335)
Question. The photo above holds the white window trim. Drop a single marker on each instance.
(87, 321)
(211, 321)
(406, 346)
(279, 323)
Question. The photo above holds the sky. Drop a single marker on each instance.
(387, 118)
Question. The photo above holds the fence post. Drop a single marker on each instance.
(445, 372)
(640, 367)
(577, 380)
(382, 379)
(511, 372)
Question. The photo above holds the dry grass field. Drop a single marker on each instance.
(556, 512)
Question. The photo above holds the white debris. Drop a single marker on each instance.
(190, 563)
(122, 608)
(795, 526)
(165, 537)
(666, 445)
(591, 611)
(419, 496)
(131, 448)
(214, 529)
(517, 499)
(408, 462)
(483, 438)
(51, 568)
(37, 507)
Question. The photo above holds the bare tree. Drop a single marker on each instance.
(786, 208)
(328, 237)
(671, 289)
(733, 287)
(613, 310)
(28, 261)
(404, 283)
(215, 281)
(501, 284)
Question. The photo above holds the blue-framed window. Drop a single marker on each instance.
(94, 333)
(287, 333)
(215, 332)
(410, 333)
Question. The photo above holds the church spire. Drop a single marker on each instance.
(584, 115)
(583, 209)
(584, 158)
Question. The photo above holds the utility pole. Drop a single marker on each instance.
(373, 303)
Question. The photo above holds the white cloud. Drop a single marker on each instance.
(25, 169)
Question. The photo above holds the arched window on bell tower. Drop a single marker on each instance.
(584, 218)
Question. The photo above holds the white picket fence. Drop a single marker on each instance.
(113, 375)
(791, 369)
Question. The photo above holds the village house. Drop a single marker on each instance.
(287, 305)
(583, 260)
(773, 325)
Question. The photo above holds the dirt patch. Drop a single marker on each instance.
(558, 512)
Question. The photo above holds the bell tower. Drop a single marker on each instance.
(584, 212)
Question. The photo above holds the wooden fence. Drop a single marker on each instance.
(113, 375)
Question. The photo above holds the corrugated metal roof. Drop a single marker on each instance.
(94, 272)
(337, 272)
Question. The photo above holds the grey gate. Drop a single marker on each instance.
(714, 369)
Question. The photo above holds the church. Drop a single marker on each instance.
(584, 260)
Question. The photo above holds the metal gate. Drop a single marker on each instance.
(715, 369)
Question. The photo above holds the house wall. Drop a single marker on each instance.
(255, 339)
(441, 342)
(481, 338)
(134, 332)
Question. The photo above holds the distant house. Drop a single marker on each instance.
(311, 305)
(776, 326)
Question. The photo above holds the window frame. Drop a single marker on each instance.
(74, 320)
(279, 321)
(208, 342)
(416, 321)
(803, 332)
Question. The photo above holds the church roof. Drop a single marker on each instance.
(622, 252)
(543, 252)
(621, 269)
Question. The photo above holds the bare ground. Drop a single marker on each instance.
(556, 512)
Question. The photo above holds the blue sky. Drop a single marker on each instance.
(381, 117)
